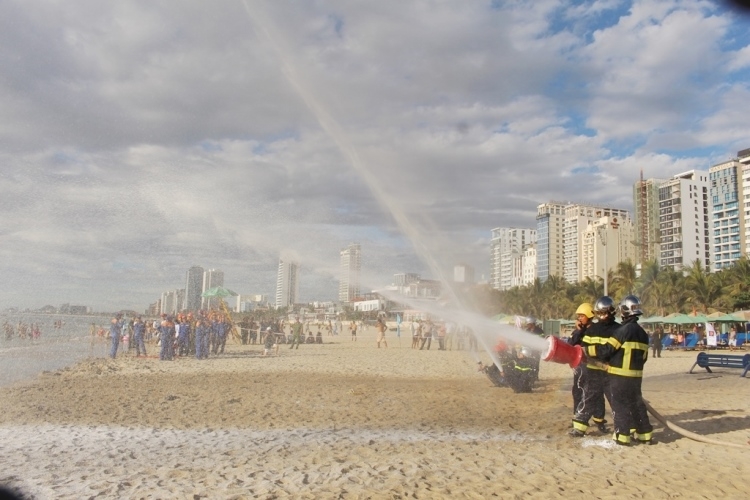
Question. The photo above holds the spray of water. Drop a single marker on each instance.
(483, 327)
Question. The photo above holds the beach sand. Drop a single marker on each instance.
(348, 420)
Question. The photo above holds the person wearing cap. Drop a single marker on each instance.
(584, 315)
(139, 328)
(115, 331)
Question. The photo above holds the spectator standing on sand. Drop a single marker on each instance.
(353, 328)
(167, 340)
(139, 329)
(380, 327)
(115, 330)
(296, 334)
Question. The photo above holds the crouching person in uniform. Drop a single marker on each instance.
(521, 375)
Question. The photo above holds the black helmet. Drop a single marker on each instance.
(630, 306)
(604, 307)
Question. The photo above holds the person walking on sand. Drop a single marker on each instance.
(380, 327)
(296, 334)
(115, 330)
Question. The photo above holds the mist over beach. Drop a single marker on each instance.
(205, 162)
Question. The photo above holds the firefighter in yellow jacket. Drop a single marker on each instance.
(626, 353)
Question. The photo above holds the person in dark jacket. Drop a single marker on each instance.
(626, 353)
(594, 382)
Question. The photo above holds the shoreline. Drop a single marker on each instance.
(348, 420)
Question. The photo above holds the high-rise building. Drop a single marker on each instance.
(549, 239)
(211, 279)
(507, 243)
(350, 267)
(577, 219)
(646, 219)
(287, 283)
(744, 159)
(728, 231)
(463, 273)
(684, 231)
(605, 243)
(194, 288)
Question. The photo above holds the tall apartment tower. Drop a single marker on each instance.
(211, 279)
(728, 231)
(577, 219)
(604, 244)
(507, 244)
(744, 159)
(646, 219)
(287, 284)
(350, 266)
(683, 221)
(549, 239)
(194, 288)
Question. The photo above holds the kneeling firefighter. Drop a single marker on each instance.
(521, 374)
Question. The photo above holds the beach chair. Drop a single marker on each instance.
(691, 340)
(667, 342)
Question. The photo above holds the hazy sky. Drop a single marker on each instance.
(139, 138)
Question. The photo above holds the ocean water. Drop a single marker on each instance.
(22, 359)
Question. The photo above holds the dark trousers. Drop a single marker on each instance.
(594, 385)
(628, 409)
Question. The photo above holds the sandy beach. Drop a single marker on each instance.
(348, 420)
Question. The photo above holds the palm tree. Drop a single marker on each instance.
(623, 282)
(701, 288)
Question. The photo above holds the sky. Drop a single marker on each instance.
(139, 138)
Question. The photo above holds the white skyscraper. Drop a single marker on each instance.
(684, 221)
(287, 283)
(507, 244)
(577, 219)
(350, 266)
(604, 244)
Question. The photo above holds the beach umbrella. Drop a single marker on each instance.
(728, 318)
(651, 320)
(219, 292)
(685, 319)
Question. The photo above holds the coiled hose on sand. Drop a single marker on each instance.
(686, 433)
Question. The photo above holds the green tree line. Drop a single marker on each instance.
(661, 290)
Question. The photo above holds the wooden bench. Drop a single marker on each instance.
(706, 360)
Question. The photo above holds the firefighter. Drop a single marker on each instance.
(521, 374)
(626, 353)
(593, 381)
(584, 315)
(535, 356)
